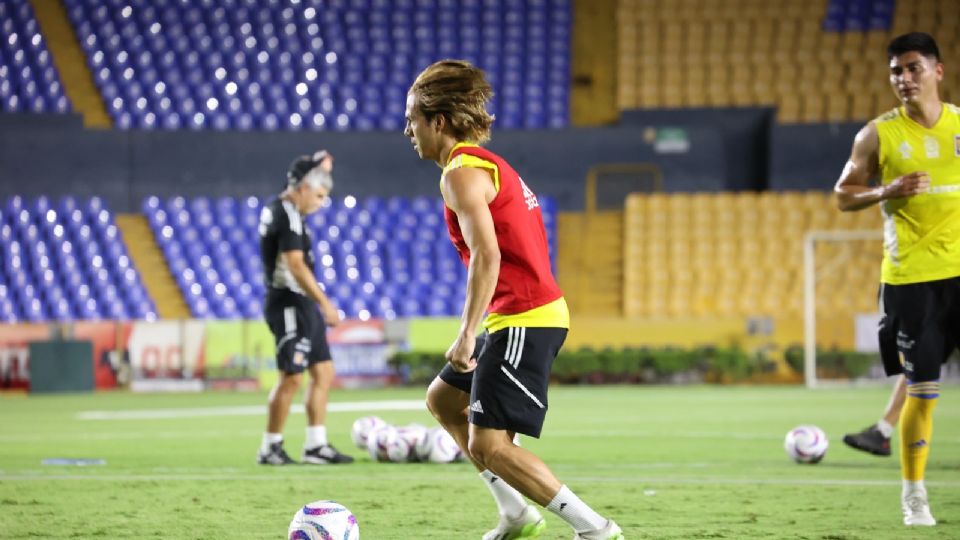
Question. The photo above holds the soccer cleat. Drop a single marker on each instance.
(529, 524)
(325, 455)
(275, 456)
(916, 510)
(869, 440)
(611, 531)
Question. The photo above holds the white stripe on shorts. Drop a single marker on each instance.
(521, 386)
(519, 352)
(289, 320)
(506, 353)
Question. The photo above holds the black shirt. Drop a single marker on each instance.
(282, 229)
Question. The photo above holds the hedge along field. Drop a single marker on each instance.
(669, 365)
(667, 462)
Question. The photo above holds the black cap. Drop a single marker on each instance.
(302, 165)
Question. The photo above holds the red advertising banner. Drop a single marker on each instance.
(15, 354)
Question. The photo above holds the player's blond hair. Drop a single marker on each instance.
(459, 91)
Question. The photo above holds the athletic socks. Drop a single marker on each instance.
(885, 428)
(316, 436)
(509, 501)
(268, 439)
(571, 509)
(916, 428)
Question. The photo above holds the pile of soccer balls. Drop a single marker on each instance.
(404, 444)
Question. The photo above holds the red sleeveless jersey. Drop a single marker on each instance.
(525, 281)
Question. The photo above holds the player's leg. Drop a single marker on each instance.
(510, 394)
(280, 315)
(317, 449)
(447, 399)
(923, 345)
(278, 407)
(448, 405)
(875, 439)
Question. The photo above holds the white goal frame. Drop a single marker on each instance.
(810, 290)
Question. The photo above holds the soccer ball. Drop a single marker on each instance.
(362, 427)
(443, 448)
(379, 440)
(322, 520)
(421, 450)
(806, 444)
(415, 436)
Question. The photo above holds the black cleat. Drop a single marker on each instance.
(869, 440)
(276, 456)
(325, 455)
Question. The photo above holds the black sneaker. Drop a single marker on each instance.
(325, 455)
(276, 456)
(869, 440)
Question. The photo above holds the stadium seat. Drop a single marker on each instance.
(73, 257)
(167, 66)
(368, 268)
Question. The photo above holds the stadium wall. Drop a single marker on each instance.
(56, 156)
(809, 156)
(745, 132)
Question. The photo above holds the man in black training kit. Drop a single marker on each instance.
(290, 310)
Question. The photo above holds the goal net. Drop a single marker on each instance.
(841, 278)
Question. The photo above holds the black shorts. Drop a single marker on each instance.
(508, 389)
(298, 330)
(920, 327)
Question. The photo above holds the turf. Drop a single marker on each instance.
(665, 462)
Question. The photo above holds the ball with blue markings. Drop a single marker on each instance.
(324, 520)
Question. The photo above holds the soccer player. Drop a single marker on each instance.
(914, 152)
(875, 439)
(489, 391)
(291, 311)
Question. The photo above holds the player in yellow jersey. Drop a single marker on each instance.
(913, 152)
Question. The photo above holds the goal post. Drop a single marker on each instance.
(815, 267)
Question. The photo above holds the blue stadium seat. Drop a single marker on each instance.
(160, 65)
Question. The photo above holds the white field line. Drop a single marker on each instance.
(418, 476)
(248, 410)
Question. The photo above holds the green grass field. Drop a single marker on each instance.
(665, 462)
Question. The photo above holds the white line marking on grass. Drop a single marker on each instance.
(248, 410)
(418, 476)
(677, 435)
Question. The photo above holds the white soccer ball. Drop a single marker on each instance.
(415, 435)
(806, 444)
(443, 448)
(421, 450)
(398, 449)
(379, 440)
(362, 427)
(322, 520)
(409, 437)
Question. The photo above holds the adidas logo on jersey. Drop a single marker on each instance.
(476, 407)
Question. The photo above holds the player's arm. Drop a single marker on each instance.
(305, 278)
(855, 189)
(468, 191)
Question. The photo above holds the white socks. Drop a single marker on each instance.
(571, 509)
(268, 439)
(509, 501)
(316, 436)
(885, 428)
(910, 486)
